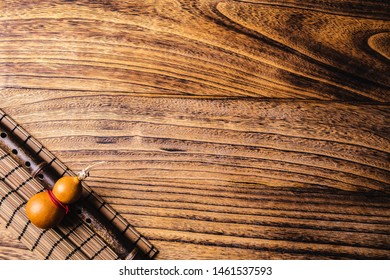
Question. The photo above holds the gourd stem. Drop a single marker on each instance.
(85, 172)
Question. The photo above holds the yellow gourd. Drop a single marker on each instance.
(47, 209)
(42, 212)
(68, 189)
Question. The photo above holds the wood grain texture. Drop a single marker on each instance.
(228, 178)
(325, 50)
(249, 129)
(11, 248)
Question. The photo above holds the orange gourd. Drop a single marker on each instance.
(47, 209)
(68, 189)
(42, 212)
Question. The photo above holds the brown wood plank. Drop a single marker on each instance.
(162, 91)
(231, 178)
(8, 253)
(275, 49)
(11, 248)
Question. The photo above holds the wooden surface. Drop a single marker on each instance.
(231, 129)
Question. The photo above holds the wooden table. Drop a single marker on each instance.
(231, 129)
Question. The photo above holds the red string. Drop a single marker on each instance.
(57, 202)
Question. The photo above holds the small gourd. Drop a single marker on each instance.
(47, 209)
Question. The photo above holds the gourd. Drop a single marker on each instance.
(47, 209)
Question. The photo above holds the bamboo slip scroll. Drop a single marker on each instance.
(91, 230)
